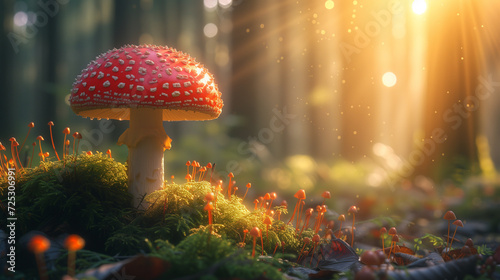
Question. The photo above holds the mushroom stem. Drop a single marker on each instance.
(146, 141)
(52, 139)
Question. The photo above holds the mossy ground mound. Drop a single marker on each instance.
(88, 195)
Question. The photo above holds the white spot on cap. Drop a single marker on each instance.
(108, 64)
(128, 56)
(176, 85)
(152, 89)
(178, 68)
(106, 84)
(131, 86)
(168, 71)
(186, 93)
(101, 75)
(115, 69)
(131, 62)
(91, 88)
(121, 85)
(93, 74)
(142, 71)
(176, 93)
(164, 94)
(149, 62)
(165, 85)
(121, 61)
(84, 84)
(140, 88)
(128, 68)
(163, 60)
(114, 78)
(187, 84)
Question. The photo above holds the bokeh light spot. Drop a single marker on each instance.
(329, 4)
(210, 4)
(20, 19)
(389, 79)
(210, 30)
(419, 6)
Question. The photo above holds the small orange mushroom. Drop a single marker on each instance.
(268, 221)
(249, 185)
(449, 216)
(231, 176)
(457, 223)
(353, 210)
(51, 124)
(38, 245)
(30, 125)
(341, 219)
(188, 164)
(325, 195)
(254, 232)
(73, 243)
(109, 153)
(300, 195)
(66, 131)
(209, 207)
(383, 231)
(245, 231)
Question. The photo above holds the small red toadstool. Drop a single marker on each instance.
(147, 85)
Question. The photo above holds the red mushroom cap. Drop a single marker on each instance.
(392, 231)
(255, 232)
(146, 76)
(326, 194)
(449, 216)
(353, 209)
(316, 238)
(458, 223)
(39, 137)
(273, 195)
(208, 207)
(342, 218)
(74, 242)
(300, 194)
(268, 220)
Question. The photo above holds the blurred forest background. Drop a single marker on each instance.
(316, 93)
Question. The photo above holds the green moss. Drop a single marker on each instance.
(209, 257)
(86, 196)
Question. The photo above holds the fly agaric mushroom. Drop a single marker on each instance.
(146, 85)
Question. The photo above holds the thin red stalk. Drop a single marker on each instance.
(53, 146)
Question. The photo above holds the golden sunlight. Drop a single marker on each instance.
(419, 6)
